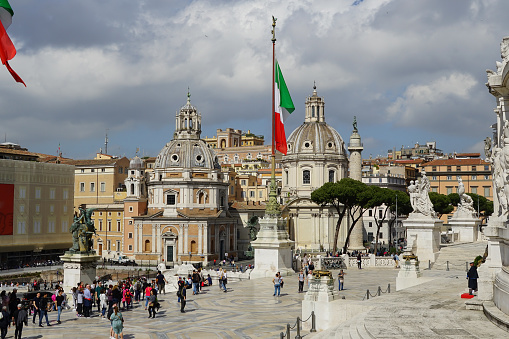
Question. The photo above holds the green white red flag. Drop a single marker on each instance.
(7, 49)
(283, 108)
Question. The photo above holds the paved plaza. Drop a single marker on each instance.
(249, 310)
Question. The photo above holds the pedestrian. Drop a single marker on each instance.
(277, 285)
(161, 281)
(97, 293)
(79, 302)
(152, 304)
(45, 304)
(19, 318)
(341, 280)
(196, 281)
(472, 277)
(36, 303)
(209, 280)
(74, 293)
(58, 303)
(301, 281)
(310, 278)
(126, 298)
(396, 260)
(4, 322)
(103, 302)
(147, 294)
(87, 301)
(224, 280)
(117, 323)
(359, 260)
(183, 298)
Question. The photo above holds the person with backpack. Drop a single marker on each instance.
(182, 294)
(19, 318)
(126, 298)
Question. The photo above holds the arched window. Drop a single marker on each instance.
(286, 177)
(306, 177)
(223, 143)
(200, 198)
(332, 176)
(132, 188)
(147, 246)
(313, 111)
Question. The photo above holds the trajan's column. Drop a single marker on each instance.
(355, 148)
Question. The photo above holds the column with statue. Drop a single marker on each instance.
(80, 261)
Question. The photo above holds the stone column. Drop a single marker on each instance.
(135, 238)
(186, 238)
(200, 236)
(158, 238)
(205, 239)
(140, 237)
(355, 147)
(181, 240)
(153, 239)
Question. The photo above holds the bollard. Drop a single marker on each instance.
(298, 329)
(466, 266)
(389, 288)
(367, 294)
(447, 269)
(288, 330)
(379, 291)
(429, 264)
(313, 320)
(281, 335)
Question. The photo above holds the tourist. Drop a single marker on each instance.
(97, 294)
(74, 293)
(161, 280)
(224, 280)
(183, 297)
(58, 303)
(152, 304)
(126, 298)
(117, 323)
(79, 302)
(309, 277)
(137, 291)
(103, 302)
(209, 280)
(196, 281)
(43, 310)
(277, 285)
(202, 280)
(87, 301)
(180, 285)
(116, 295)
(359, 260)
(472, 277)
(301, 281)
(4, 322)
(341, 280)
(147, 295)
(19, 318)
(396, 260)
(36, 303)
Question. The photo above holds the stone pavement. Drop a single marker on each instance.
(249, 310)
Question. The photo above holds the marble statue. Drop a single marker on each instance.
(419, 197)
(504, 54)
(465, 205)
(82, 230)
(355, 124)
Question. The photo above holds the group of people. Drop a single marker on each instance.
(12, 313)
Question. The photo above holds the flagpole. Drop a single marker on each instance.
(273, 209)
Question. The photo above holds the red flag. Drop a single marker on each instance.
(7, 52)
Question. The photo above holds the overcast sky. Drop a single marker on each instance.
(410, 70)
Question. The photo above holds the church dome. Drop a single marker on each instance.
(136, 163)
(315, 138)
(185, 153)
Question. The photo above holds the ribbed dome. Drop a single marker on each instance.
(315, 138)
(187, 154)
(136, 163)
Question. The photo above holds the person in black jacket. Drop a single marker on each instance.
(19, 318)
(472, 277)
(4, 322)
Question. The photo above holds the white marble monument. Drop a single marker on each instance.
(464, 221)
(422, 224)
(272, 249)
(494, 274)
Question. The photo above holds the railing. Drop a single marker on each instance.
(297, 326)
(332, 263)
(378, 292)
(447, 265)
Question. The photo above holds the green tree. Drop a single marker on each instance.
(380, 197)
(401, 207)
(343, 196)
(441, 203)
(482, 204)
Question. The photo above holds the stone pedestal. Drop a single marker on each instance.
(409, 275)
(272, 249)
(425, 233)
(79, 268)
(318, 299)
(466, 228)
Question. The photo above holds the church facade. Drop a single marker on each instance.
(316, 155)
(179, 211)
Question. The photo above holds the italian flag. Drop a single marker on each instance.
(7, 49)
(283, 108)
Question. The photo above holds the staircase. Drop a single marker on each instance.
(458, 255)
